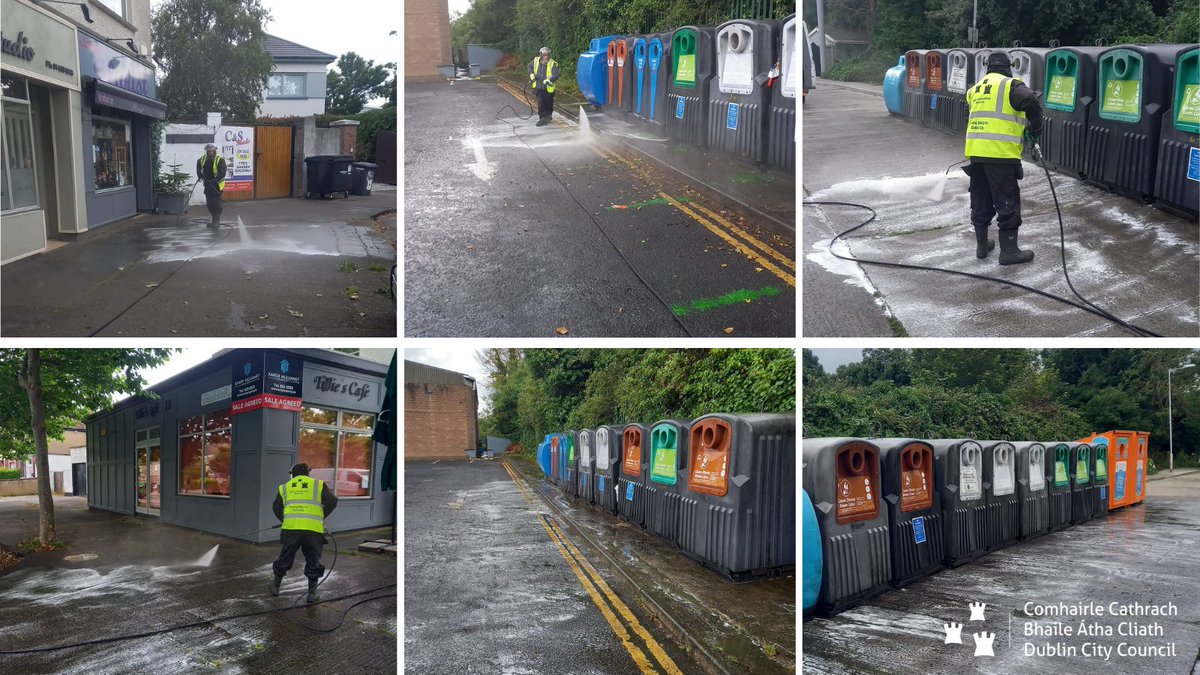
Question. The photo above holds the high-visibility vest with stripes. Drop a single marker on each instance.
(212, 168)
(539, 83)
(302, 508)
(995, 129)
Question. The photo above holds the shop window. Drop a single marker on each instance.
(337, 447)
(206, 454)
(287, 85)
(18, 185)
(111, 153)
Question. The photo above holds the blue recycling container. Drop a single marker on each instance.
(893, 88)
(810, 533)
(591, 70)
(658, 66)
(544, 455)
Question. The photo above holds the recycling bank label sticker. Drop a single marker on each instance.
(629, 492)
(1193, 172)
(679, 104)
(919, 530)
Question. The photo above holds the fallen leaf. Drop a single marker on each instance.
(728, 330)
(620, 310)
(295, 313)
(174, 331)
(354, 296)
(561, 330)
(264, 316)
(724, 264)
(620, 206)
(758, 269)
(151, 285)
(320, 295)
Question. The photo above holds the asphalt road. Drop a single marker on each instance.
(1142, 556)
(1137, 262)
(486, 587)
(517, 230)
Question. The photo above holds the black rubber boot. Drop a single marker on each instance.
(983, 245)
(312, 591)
(1009, 253)
(275, 582)
(542, 121)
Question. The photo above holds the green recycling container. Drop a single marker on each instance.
(1177, 179)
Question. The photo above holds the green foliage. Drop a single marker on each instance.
(211, 52)
(175, 182)
(1183, 22)
(10, 474)
(869, 66)
(1015, 394)
(355, 82)
(540, 391)
(75, 384)
(371, 123)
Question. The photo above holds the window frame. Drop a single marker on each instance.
(129, 136)
(303, 78)
(204, 431)
(25, 104)
(340, 431)
(123, 12)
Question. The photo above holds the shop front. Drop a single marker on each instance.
(42, 176)
(212, 449)
(119, 107)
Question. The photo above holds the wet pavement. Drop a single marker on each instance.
(532, 231)
(1136, 558)
(123, 575)
(1141, 264)
(283, 267)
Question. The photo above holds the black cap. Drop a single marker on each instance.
(300, 469)
(999, 60)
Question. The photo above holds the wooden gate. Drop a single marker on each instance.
(272, 162)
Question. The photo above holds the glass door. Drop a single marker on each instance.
(149, 471)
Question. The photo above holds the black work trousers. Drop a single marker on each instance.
(300, 540)
(212, 197)
(545, 104)
(995, 193)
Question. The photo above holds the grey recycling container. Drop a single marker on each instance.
(958, 471)
(608, 466)
(631, 479)
(1083, 474)
(738, 98)
(364, 177)
(1003, 524)
(1031, 489)
(841, 475)
(587, 467)
(666, 477)
(1058, 485)
(571, 484)
(738, 517)
(914, 508)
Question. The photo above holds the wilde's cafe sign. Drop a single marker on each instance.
(38, 44)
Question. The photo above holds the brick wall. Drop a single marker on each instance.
(439, 421)
(426, 37)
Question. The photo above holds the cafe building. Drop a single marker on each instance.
(211, 448)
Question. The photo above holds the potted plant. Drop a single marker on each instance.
(173, 190)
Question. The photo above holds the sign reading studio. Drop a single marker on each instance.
(38, 45)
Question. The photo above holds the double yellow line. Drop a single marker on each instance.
(784, 267)
(599, 591)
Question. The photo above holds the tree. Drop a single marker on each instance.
(60, 387)
(212, 53)
(356, 81)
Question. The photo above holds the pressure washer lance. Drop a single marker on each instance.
(188, 205)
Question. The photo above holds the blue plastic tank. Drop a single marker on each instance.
(810, 533)
(591, 70)
(893, 88)
(544, 455)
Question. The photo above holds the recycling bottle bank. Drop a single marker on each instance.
(1003, 525)
(555, 441)
(1177, 176)
(933, 73)
(691, 71)
(958, 473)
(914, 508)
(543, 455)
(1082, 473)
(1031, 489)
(591, 71)
(738, 515)
(842, 477)
(1143, 440)
(587, 468)
(960, 74)
(893, 87)
(608, 466)
(781, 122)
(570, 471)
(1100, 487)
(1058, 485)
(738, 97)
(667, 478)
(631, 482)
(813, 559)
(914, 85)
(1067, 105)
(615, 60)
(658, 62)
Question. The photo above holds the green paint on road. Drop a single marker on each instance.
(742, 295)
(650, 202)
(750, 178)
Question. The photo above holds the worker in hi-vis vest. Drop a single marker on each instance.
(211, 170)
(302, 504)
(543, 73)
(1003, 111)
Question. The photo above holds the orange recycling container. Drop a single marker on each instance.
(1126, 475)
(1141, 464)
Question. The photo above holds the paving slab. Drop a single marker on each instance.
(1138, 262)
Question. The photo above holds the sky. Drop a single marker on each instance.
(179, 362)
(458, 359)
(832, 358)
(459, 7)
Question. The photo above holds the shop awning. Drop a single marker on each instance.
(115, 97)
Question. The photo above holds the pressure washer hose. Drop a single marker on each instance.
(1085, 304)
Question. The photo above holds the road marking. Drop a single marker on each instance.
(591, 580)
(745, 250)
(741, 295)
(482, 168)
(649, 202)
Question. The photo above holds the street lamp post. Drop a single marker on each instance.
(1171, 418)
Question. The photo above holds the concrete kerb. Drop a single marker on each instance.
(873, 89)
(1164, 474)
(715, 192)
(706, 659)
